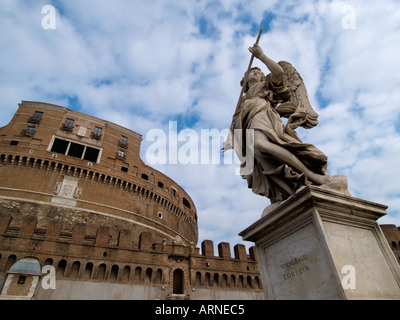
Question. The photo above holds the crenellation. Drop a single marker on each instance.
(28, 225)
(101, 264)
(124, 238)
(5, 221)
(253, 253)
(53, 230)
(102, 236)
(207, 248)
(240, 252)
(78, 232)
(224, 250)
(146, 241)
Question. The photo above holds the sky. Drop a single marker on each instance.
(155, 64)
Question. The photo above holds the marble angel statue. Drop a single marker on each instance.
(283, 164)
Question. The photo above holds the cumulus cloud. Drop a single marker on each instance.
(142, 64)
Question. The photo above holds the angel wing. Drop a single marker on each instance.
(297, 107)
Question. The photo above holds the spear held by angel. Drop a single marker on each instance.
(282, 162)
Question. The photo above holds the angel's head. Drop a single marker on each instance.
(255, 76)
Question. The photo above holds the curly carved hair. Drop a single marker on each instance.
(262, 78)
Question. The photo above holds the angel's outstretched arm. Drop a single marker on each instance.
(276, 69)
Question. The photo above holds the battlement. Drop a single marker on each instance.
(78, 235)
(224, 251)
(109, 255)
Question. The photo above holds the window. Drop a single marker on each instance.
(173, 192)
(60, 146)
(14, 143)
(178, 282)
(28, 132)
(145, 177)
(160, 184)
(36, 117)
(91, 154)
(120, 155)
(21, 279)
(124, 169)
(68, 125)
(96, 134)
(186, 203)
(123, 142)
(75, 150)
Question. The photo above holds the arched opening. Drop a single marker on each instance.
(158, 276)
(48, 262)
(62, 265)
(178, 282)
(88, 271)
(216, 280)
(198, 279)
(148, 275)
(126, 273)
(114, 273)
(10, 261)
(101, 272)
(138, 274)
(75, 270)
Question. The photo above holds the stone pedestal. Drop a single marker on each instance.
(321, 244)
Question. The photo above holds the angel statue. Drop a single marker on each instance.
(283, 164)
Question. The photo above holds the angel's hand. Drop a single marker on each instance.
(257, 51)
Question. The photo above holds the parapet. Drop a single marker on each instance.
(54, 232)
(224, 251)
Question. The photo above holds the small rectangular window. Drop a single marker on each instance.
(96, 134)
(120, 155)
(97, 131)
(14, 143)
(29, 132)
(68, 125)
(37, 117)
(123, 142)
(124, 169)
(21, 279)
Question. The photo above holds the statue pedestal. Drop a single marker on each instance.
(320, 244)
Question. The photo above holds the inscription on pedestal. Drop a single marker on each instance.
(298, 267)
(295, 267)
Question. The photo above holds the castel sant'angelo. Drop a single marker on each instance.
(75, 197)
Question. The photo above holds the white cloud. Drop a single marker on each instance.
(143, 64)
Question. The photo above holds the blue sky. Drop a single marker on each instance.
(142, 64)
